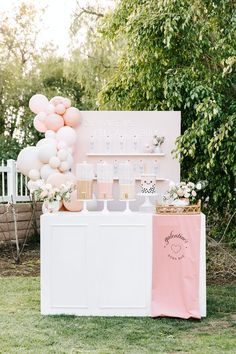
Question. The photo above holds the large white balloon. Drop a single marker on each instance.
(38, 103)
(28, 159)
(46, 151)
(49, 141)
(50, 134)
(46, 171)
(66, 134)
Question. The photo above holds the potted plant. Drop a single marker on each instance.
(157, 142)
(183, 193)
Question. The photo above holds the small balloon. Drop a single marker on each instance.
(45, 152)
(41, 116)
(46, 171)
(64, 166)
(61, 145)
(56, 179)
(60, 109)
(38, 103)
(54, 162)
(56, 100)
(73, 204)
(34, 174)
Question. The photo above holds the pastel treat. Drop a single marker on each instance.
(148, 184)
(105, 173)
(84, 174)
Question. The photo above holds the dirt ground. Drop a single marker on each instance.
(29, 263)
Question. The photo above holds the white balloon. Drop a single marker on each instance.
(32, 185)
(50, 134)
(28, 159)
(46, 171)
(54, 162)
(62, 154)
(49, 141)
(34, 174)
(61, 145)
(67, 102)
(64, 166)
(92, 205)
(45, 152)
(66, 134)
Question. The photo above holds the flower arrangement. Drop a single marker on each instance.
(47, 193)
(184, 191)
(157, 140)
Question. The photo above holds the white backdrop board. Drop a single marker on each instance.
(143, 125)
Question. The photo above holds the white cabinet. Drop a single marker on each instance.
(96, 264)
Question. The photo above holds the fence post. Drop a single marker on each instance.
(11, 181)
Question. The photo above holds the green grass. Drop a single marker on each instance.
(24, 330)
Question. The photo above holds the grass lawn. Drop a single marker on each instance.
(24, 330)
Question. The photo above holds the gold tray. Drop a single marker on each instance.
(175, 210)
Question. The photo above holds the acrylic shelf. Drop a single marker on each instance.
(137, 179)
(125, 154)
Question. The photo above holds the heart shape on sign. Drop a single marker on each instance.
(176, 248)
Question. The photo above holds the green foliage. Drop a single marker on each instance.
(181, 55)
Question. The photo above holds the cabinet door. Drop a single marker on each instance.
(124, 268)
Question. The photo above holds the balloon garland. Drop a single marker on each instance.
(50, 161)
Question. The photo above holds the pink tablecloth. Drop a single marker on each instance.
(175, 282)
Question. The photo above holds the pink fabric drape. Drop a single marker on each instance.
(175, 278)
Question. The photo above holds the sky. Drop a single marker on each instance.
(57, 18)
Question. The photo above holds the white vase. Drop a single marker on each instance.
(158, 149)
(51, 207)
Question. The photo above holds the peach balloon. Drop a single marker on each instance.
(72, 117)
(57, 179)
(60, 108)
(56, 100)
(54, 122)
(39, 126)
(73, 204)
(38, 103)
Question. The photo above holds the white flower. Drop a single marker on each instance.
(180, 192)
(48, 186)
(186, 195)
(191, 184)
(194, 193)
(154, 141)
(199, 186)
(58, 198)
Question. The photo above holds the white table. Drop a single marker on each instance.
(99, 264)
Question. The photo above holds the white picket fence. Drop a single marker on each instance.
(13, 185)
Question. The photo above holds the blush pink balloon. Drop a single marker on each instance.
(60, 108)
(38, 103)
(39, 126)
(72, 117)
(57, 179)
(73, 204)
(54, 122)
(56, 100)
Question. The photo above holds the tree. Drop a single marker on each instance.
(93, 57)
(180, 55)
